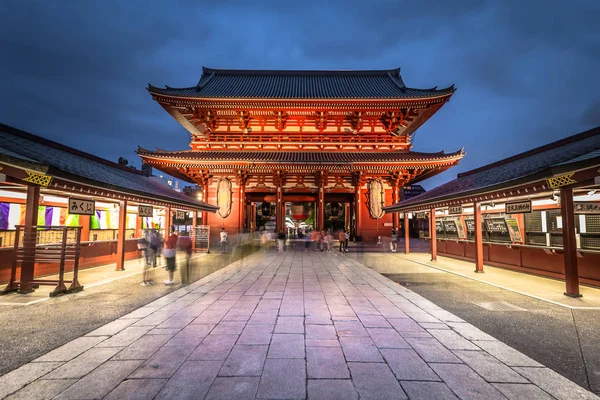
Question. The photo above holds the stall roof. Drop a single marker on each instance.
(578, 151)
(25, 150)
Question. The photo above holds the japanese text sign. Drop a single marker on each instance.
(81, 206)
(518, 207)
(145, 211)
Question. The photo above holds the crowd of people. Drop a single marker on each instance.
(153, 246)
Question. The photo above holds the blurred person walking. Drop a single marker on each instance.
(185, 246)
(170, 252)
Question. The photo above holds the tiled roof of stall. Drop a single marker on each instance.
(299, 156)
(291, 84)
(75, 165)
(532, 165)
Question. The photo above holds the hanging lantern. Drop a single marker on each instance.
(265, 208)
(300, 211)
(334, 209)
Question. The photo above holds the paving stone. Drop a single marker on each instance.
(427, 391)
(42, 389)
(283, 379)
(374, 321)
(208, 318)
(163, 363)
(465, 383)
(166, 331)
(84, 363)
(405, 325)
(322, 343)
(506, 354)
(407, 365)
(262, 319)
(72, 349)
(229, 328)
(434, 325)
(452, 340)
(289, 345)
(238, 316)
(214, 347)
(141, 312)
(518, 391)
(137, 389)
(190, 336)
(154, 319)
(318, 319)
(24, 375)
(555, 384)
(125, 337)
(360, 349)
(112, 328)
(326, 363)
(323, 332)
(192, 381)
(470, 332)
(244, 360)
(233, 388)
(289, 325)
(256, 334)
(375, 381)
(101, 381)
(176, 322)
(331, 389)
(350, 328)
(432, 351)
(488, 367)
(143, 348)
(387, 338)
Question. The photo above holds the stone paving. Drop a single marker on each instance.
(288, 326)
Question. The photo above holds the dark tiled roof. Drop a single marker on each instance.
(65, 162)
(533, 165)
(299, 156)
(245, 84)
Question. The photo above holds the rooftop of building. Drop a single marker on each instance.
(30, 151)
(577, 151)
(301, 84)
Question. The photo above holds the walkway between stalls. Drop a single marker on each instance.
(288, 326)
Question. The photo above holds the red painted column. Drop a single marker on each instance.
(396, 215)
(321, 209)
(279, 211)
(347, 219)
(358, 210)
(168, 222)
(569, 243)
(84, 221)
(205, 199)
(478, 238)
(433, 235)
(29, 238)
(193, 232)
(121, 235)
(406, 234)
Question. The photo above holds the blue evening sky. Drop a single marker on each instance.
(527, 72)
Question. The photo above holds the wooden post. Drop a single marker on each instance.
(406, 234)
(205, 199)
(358, 209)
(242, 208)
(569, 243)
(347, 220)
(193, 232)
(168, 222)
(121, 235)
(84, 221)
(29, 238)
(478, 238)
(433, 235)
(321, 208)
(395, 200)
(279, 217)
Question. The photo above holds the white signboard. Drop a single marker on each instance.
(145, 211)
(81, 206)
(518, 207)
(180, 214)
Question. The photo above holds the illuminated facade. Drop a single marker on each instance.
(327, 139)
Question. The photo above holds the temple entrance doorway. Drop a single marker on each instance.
(299, 219)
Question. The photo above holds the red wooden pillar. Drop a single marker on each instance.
(569, 243)
(347, 221)
(168, 222)
(121, 235)
(478, 238)
(433, 235)
(358, 210)
(279, 211)
(205, 199)
(84, 221)
(406, 234)
(29, 238)
(242, 208)
(193, 232)
(395, 200)
(321, 209)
